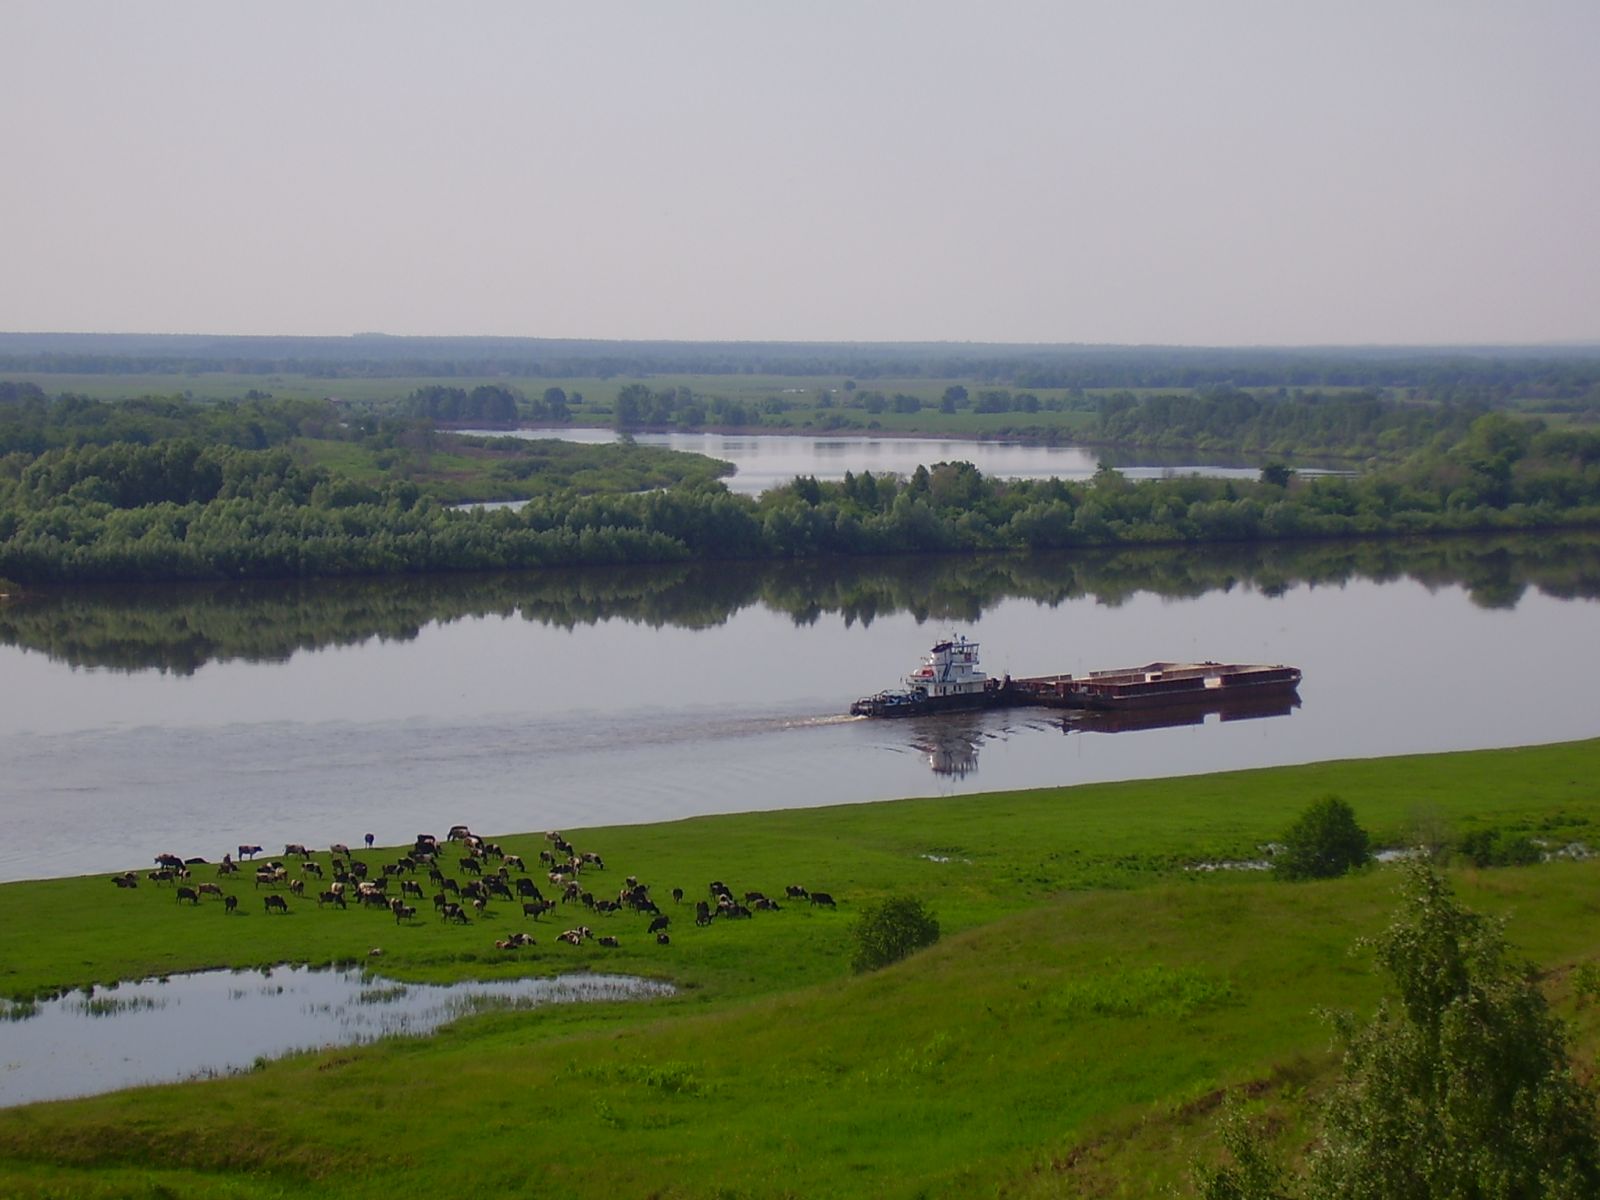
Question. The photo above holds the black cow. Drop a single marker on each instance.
(229, 904)
(822, 898)
(663, 940)
(330, 898)
(702, 913)
(249, 851)
(189, 894)
(277, 904)
(404, 912)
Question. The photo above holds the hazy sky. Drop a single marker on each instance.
(1187, 172)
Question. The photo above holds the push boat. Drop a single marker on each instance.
(949, 679)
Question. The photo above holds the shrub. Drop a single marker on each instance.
(1496, 848)
(889, 930)
(1323, 843)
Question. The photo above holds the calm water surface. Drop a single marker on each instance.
(766, 461)
(216, 1022)
(194, 720)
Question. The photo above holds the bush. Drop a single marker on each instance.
(1323, 843)
(1496, 848)
(891, 929)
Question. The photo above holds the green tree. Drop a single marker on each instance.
(1323, 843)
(1463, 1088)
(890, 929)
(1459, 1088)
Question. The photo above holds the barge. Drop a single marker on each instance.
(949, 679)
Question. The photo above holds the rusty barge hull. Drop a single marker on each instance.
(1159, 685)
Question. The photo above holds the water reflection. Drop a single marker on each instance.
(178, 628)
(217, 1022)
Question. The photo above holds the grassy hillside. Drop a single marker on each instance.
(1067, 1037)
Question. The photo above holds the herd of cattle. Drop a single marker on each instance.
(496, 877)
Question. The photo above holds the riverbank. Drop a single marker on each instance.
(1015, 1054)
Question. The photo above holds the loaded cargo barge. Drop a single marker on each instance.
(949, 680)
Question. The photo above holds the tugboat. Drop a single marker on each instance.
(947, 680)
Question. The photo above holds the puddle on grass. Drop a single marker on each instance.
(218, 1022)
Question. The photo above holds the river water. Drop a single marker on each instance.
(194, 718)
(764, 461)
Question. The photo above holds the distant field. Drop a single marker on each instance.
(1067, 1037)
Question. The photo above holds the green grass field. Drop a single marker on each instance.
(1068, 1036)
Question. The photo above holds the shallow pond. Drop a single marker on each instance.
(218, 1022)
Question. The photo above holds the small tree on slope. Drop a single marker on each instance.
(1459, 1087)
(1324, 842)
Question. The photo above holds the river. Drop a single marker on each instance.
(194, 718)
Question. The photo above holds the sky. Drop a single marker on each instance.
(1139, 172)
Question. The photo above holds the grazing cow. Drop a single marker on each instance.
(471, 865)
(340, 849)
(752, 897)
(479, 904)
(515, 860)
(410, 887)
(450, 885)
(189, 894)
(702, 913)
(265, 875)
(527, 887)
(229, 904)
(169, 860)
(162, 875)
(736, 910)
(295, 850)
(659, 924)
(453, 912)
(535, 908)
(330, 898)
(663, 940)
(593, 859)
(677, 895)
(822, 898)
(126, 880)
(610, 941)
(310, 868)
(210, 889)
(765, 905)
(795, 892)
(249, 851)
(404, 912)
(297, 886)
(277, 904)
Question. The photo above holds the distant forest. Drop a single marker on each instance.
(1487, 373)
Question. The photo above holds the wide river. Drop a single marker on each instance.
(194, 718)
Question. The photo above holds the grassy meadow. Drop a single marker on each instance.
(1068, 1036)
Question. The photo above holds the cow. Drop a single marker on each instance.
(410, 887)
(369, 839)
(659, 924)
(189, 894)
(536, 908)
(126, 880)
(515, 860)
(450, 885)
(210, 889)
(765, 905)
(471, 864)
(458, 833)
(752, 897)
(527, 887)
(453, 912)
(310, 868)
(404, 912)
(229, 904)
(330, 897)
(249, 851)
(169, 860)
(677, 895)
(297, 886)
(277, 904)
(295, 850)
(822, 899)
(663, 940)
(610, 941)
(795, 892)
(479, 904)
(340, 849)
(702, 913)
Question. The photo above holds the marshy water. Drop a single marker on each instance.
(218, 1022)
